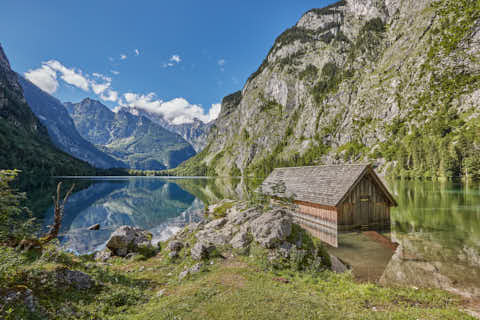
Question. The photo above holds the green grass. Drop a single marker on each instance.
(233, 287)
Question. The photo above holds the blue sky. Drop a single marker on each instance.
(190, 53)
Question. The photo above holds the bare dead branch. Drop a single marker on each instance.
(58, 214)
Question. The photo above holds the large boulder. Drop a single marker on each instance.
(271, 228)
(241, 240)
(128, 239)
(201, 250)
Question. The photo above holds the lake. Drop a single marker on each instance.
(437, 225)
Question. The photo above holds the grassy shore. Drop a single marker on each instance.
(229, 286)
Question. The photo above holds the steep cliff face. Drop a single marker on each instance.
(134, 140)
(391, 81)
(61, 129)
(24, 141)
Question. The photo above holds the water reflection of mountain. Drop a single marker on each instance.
(438, 229)
(151, 204)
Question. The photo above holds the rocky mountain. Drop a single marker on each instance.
(195, 132)
(60, 126)
(388, 81)
(24, 140)
(135, 140)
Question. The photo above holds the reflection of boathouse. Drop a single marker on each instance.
(333, 198)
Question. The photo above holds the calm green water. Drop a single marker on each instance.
(437, 225)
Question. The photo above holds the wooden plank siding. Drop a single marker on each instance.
(378, 211)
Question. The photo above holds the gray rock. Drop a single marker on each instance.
(216, 224)
(127, 239)
(131, 255)
(196, 268)
(19, 295)
(337, 265)
(175, 245)
(160, 293)
(173, 254)
(216, 237)
(103, 255)
(76, 279)
(237, 217)
(183, 274)
(201, 250)
(94, 227)
(241, 240)
(271, 228)
(285, 248)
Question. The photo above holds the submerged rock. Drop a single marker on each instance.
(94, 227)
(128, 239)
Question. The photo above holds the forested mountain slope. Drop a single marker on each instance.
(390, 81)
(24, 141)
(60, 126)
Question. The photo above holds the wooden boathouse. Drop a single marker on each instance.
(332, 198)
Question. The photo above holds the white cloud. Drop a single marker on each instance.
(101, 76)
(221, 62)
(123, 56)
(45, 78)
(137, 52)
(176, 111)
(214, 111)
(115, 72)
(110, 96)
(176, 58)
(70, 76)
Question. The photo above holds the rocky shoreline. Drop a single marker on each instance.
(230, 227)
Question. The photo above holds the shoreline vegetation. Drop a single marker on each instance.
(245, 261)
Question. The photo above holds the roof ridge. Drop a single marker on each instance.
(326, 165)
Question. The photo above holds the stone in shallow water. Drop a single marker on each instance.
(94, 227)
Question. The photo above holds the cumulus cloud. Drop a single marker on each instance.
(214, 111)
(70, 76)
(137, 52)
(123, 56)
(110, 96)
(176, 111)
(44, 77)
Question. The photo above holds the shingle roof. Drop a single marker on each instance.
(325, 185)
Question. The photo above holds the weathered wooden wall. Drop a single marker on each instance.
(349, 212)
(320, 221)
